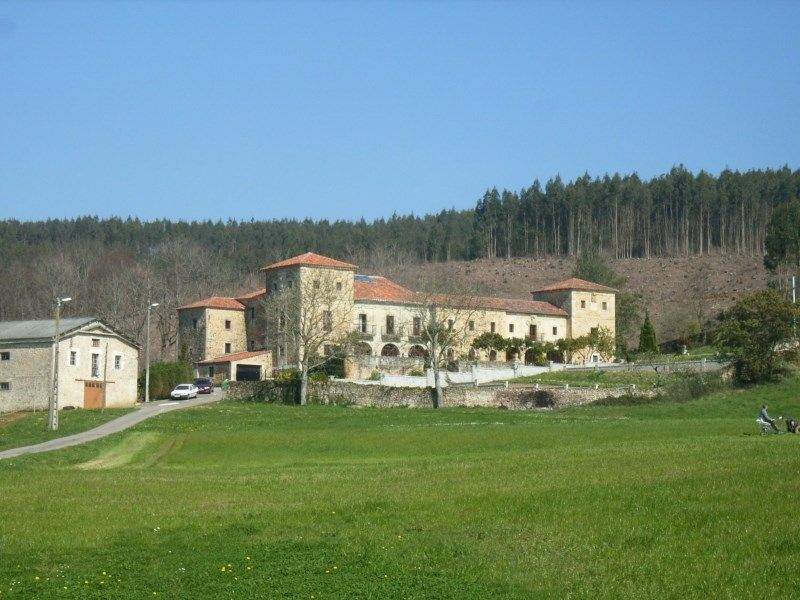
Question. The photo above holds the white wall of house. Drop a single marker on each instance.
(27, 373)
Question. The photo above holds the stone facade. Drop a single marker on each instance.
(485, 396)
(94, 356)
(381, 314)
(211, 332)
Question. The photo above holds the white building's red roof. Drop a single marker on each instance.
(219, 302)
(310, 259)
(573, 283)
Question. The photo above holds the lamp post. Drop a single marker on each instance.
(52, 420)
(150, 306)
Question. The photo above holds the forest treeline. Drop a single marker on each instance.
(114, 267)
(678, 213)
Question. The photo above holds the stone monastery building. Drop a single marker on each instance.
(227, 336)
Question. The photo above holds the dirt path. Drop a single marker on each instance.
(124, 422)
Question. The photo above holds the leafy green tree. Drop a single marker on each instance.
(783, 237)
(647, 336)
(601, 341)
(489, 341)
(751, 332)
(569, 346)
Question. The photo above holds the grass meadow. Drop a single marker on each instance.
(242, 500)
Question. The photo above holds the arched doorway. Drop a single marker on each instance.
(530, 357)
(390, 350)
(417, 351)
(511, 355)
(492, 355)
(362, 349)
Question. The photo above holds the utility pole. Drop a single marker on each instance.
(52, 421)
(150, 305)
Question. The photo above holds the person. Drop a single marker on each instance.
(764, 416)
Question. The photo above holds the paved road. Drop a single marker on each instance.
(130, 419)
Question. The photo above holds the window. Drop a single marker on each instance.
(593, 331)
(532, 331)
(583, 303)
(471, 325)
(195, 323)
(118, 362)
(4, 386)
(73, 358)
(555, 330)
(362, 323)
(5, 355)
(227, 347)
(492, 326)
(390, 324)
(327, 320)
(95, 364)
(510, 328)
(605, 305)
(95, 343)
(417, 326)
(227, 324)
(338, 286)
(316, 284)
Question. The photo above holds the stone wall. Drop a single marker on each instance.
(380, 396)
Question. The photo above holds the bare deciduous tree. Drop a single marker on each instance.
(443, 323)
(309, 323)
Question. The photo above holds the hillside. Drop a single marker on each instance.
(672, 288)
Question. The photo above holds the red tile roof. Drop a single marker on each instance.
(256, 295)
(379, 289)
(525, 307)
(220, 302)
(235, 357)
(309, 259)
(573, 283)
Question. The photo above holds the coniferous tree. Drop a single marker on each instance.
(647, 335)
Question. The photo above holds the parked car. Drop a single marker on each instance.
(184, 391)
(204, 385)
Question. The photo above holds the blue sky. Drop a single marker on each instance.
(349, 110)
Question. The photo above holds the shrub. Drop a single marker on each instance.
(318, 376)
(287, 376)
(375, 376)
(164, 376)
(690, 385)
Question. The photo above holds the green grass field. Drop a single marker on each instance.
(261, 501)
(604, 379)
(24, 428)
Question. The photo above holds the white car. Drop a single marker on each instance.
(183, 391)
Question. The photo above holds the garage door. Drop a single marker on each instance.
(248, 372)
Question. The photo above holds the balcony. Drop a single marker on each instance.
(395, 334)
(364, 331)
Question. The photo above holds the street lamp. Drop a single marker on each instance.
(147, 353)
(52, 420)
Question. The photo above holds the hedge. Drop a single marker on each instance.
(164, 376)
